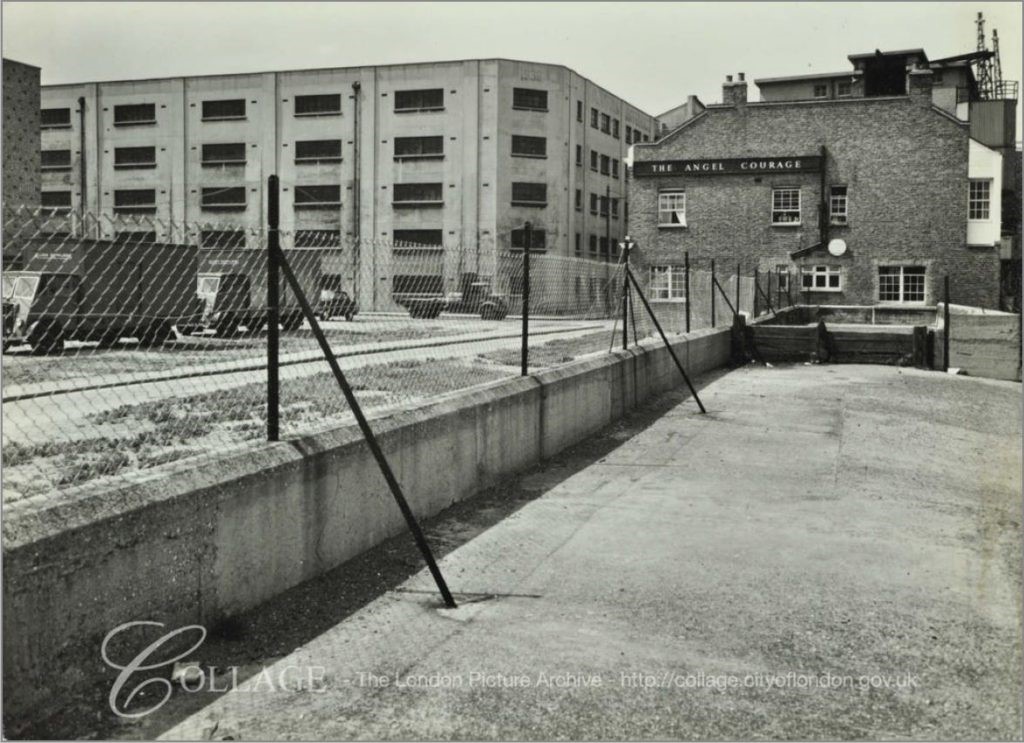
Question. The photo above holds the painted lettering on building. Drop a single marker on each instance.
(729, 166)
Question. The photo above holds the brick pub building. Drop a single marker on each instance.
(875, 165)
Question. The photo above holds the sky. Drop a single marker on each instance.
(651, 54)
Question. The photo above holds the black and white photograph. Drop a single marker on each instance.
(511, 371)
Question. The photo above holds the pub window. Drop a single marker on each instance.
(528, 99)
(606, 123)
(901, 283)
(318, 151)
(844, 89)
(224, 110)
(837, 204)
(317, 238)
(579, 110)
(785, 206)
(821, 91)
(593, 160)
(224, 198)
(579, 200)
(821, 279)
(579, 154)
(605, 165)
(326, 104)
(646, 138)
(615, 168)
(594, 116)
(135, 200)
(126, 158)
(537, 240)
(593, 203)
(131, 114)
(427, 99)
(419, 148)
(615, 128)
(55, 159)
(523, 146)
(56, 200)
(417, 238)
(979, 198)
(315, 197)
(667, 283)
(672, 208)
(222, 238)
(55, 118)
(224, 154)
(418, 194)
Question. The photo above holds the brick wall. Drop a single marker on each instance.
(21, 174)
(905, 166)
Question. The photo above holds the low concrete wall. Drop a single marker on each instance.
(193, 542)
(983, 343)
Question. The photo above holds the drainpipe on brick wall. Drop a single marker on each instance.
(81, 156)
(823, 206)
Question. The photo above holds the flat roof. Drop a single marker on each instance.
(898, 53)
(23, 64)
(816, 76)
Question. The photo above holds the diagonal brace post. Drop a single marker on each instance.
(672, 351)
(364, 426)
(724, 295)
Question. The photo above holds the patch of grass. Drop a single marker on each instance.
(551, 353)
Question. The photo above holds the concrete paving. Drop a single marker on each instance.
(831, 552)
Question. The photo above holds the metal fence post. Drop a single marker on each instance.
(712, 292)
(625, 295)
(945, 329)
(757, 286)
(738, 288)
(686, 257)
(273, 311)
(527, 244)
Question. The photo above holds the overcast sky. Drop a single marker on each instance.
(652, 54)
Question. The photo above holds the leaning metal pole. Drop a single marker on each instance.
(654, 319)
(371, 440)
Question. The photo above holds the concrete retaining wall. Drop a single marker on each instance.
(195, 541)
(983, 343)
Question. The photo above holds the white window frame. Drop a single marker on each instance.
(901, 284)
(779, 210)
(835, 216)
(981, 202)
(820, 278)
(668, 208)
(667, 283)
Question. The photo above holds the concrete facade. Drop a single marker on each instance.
(476, 107)
(905, 166)
(21, 177)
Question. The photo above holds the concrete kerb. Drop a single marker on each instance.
(200, 539)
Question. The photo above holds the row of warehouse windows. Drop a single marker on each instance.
(599, 163)
(600, 247)
(786, 205)
(609, 124)
(598, 204)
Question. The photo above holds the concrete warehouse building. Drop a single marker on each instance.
(872, 184)
(458, 153)
(21, 176)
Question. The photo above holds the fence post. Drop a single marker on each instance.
(945, 329)
(756, 287)
(686, 257)
(738, 288)
(527, 244)
(712, 292)
(625, 295)
(273, 311)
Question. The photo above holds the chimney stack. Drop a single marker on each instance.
(734, 93)
(919, 85)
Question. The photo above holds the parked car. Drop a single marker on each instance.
(334, 301)
(475, 297)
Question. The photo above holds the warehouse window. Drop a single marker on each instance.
(615, 208)
(224, 154)
(579, 200)
(222, 238)
(428, 285)
(418, 194)
(603, 201)
(419, 148)
(523, 146)
(56, 200)
(527, 99)
(578, 245)
(901, 283)
(594, 116)
(629, 134)
(231, 198)
(844, 90)
(224, 110)
(126, 158)
(821, 91)
(132, 114)
(593, 203)
(135, 200)
(821, 279)
(615, 128)
(537, 239)
(837, 204)
(328, 104)
(579, 110)
(592, 245)
(317, 238)
(615, 168)
(318, 151)
(668, 283)
(579, 154)
(605, 165)
(55, 159)
(529, 194)
(978, 199)
(417, 238)
(55, 118)
(135, 238)
(785, 206)
(672, 208)
(593, 160)
(606, 123)
(427, 99)
(317, 197)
